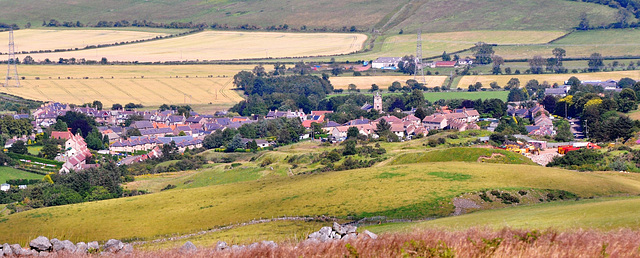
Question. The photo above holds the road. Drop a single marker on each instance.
(576, 128)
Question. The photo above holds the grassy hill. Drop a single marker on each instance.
(463, 154)
(605, 214)
(413, 190)
(431, 15)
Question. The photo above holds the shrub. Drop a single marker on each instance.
(522, 192)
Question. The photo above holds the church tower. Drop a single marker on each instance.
(377, 102)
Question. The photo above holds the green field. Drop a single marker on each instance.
(604, 214)
(7, 173)
(381, 190)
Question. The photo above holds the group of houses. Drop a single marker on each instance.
(541, 119)
(391, 63)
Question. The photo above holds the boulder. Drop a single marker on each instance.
(81, 248)
(350, 236)
(113, 246)
(44, 253)
(1, 252)
(40, 244)
(56, 245)
(93, 246)
(31, 252)
(127, 249)
(16, 249)
(339, 229)
(350, 229)
(370, 234)
(326, 231)
(221, 245)
(68, 246)
(6, 249)
(188, 247)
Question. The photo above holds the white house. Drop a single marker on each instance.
(5, 187)
(386, 62)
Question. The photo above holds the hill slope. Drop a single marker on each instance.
(413, 190)
(431, 15)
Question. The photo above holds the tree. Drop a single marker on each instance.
(563, 131)
(60, 126)
(116, 106)
(395, 86)
(584, 22)
(236, 143)
(349, 148)
(445, 56)
(94, 140)
(353, 132)
(517, 94)
(420, 113)
(626, 83)
(18, 147)
(252, 145)
(596, 62)
(494, 85)
(537, 64)
(352, 87)
(512, 84)
(28, 60)
(383, 127)
(259, 71)
(104, 60)
(497, 62)
(549, 103)
(483, 53)
(97, 105)
(374, 87)
(559, 53)
(407, 65)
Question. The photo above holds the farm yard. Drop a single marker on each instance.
(550, 78)
(52, 39)
(221, 45)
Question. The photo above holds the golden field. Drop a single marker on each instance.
(364, 82)
(148, 85)
(51, 39)
(221, 45)
(550, 78)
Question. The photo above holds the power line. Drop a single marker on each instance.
(12, 68)
(418, 65)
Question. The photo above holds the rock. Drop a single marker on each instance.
(44, 253)
(350, 236)
(314, 235)
(269, 244)
(32, 252)
(16, 249)
(221, 245)
(326, 231)
(1, 252)
(56, 245)
(68, 246)
(81, 248)
(113, 246)
(339, 228)
(370, 234)
(40, 244)
(350, 229)
(93, 246)
(127, 249)
(188, 247)
(6, 249)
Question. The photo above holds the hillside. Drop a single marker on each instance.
(380, 190)
(431, 15)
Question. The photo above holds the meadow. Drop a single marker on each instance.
(221, 45)
(52, 39)
(599, 213)
(502, 80)
(361, 192)
(7, 173)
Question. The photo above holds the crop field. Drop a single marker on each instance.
(7, 173)
(51, 39)
(150, 85)
(222, 45)
(365, 82)
(581, 44)
(601, 213)
(381, 190)
(433, 44)
(550, 78)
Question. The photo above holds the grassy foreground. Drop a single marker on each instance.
(413, 190)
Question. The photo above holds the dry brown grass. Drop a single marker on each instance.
(550, 78)
(364, 82)
(433, 243)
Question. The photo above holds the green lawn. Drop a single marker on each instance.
(12, 173)
(604, 213)
(411, 190)
(34, 150)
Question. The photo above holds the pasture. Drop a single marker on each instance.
(7, 173)
(52, 39)
(380, 190)
(502, 80)
(581, 44)
(600, 213)
(144, 84)
(221, 45)
(365, 82)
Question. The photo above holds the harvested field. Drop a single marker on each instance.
(364, 82)
(51, 39)
(222, 45)
(551, 78)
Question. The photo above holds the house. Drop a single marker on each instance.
(465, 61)
(5, 187)
(435, 122)
(386, 63)
(560, 91)
(76, 154)
(443, 64)
(62, 135)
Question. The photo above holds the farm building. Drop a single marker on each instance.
(443, 64)
(386, 62)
